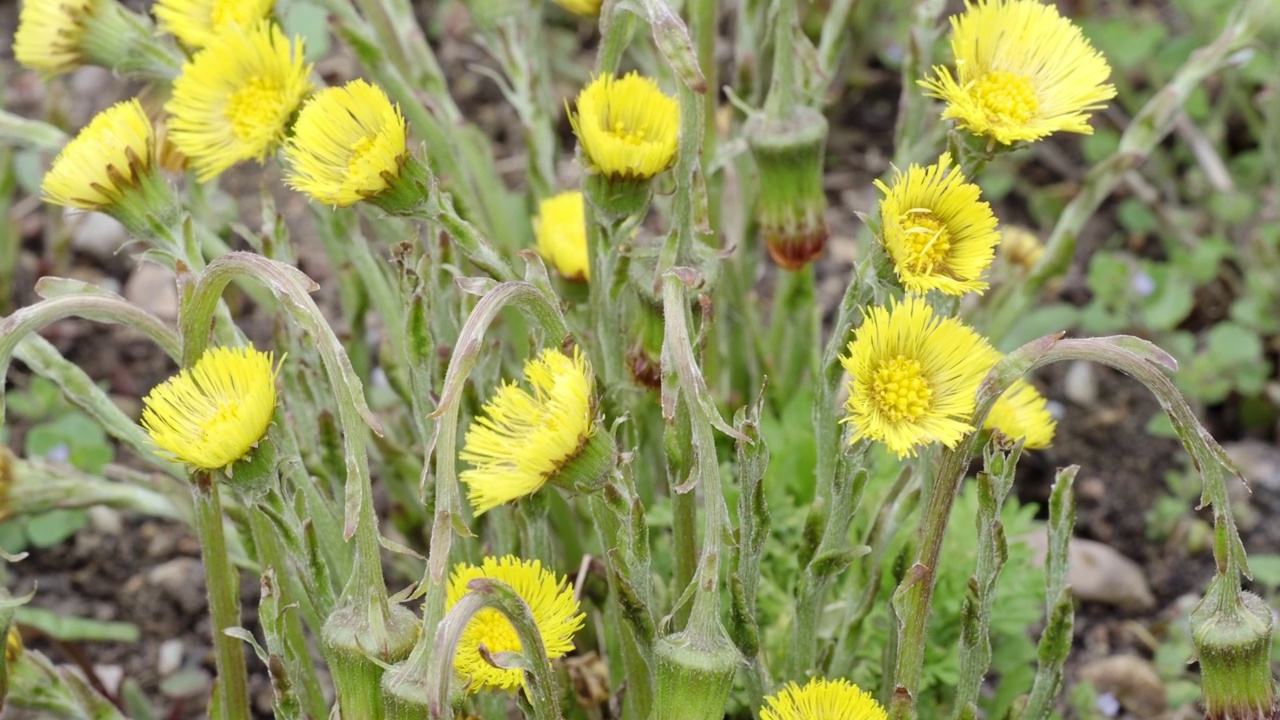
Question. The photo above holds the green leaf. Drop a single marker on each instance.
(312, 23)
(51, 528)
(1266, 570)
(77, 629)
(1231, 344)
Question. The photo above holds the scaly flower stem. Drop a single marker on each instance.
(914, 118)
(782, 91)
(796, 325)
(617, 25)
(223, 585)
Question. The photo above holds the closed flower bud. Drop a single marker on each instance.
(788, 153)
(1233, 642)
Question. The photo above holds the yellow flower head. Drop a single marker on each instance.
(822, 699)
(1023, 72)
(196, 22)
(213, 413)
(1021, 412)
(589, 8)
(936, 231)
(913, 376)
(562, 234)
(49, 33)
(13, 648)
(522, 440)
(550, 600)
(107, 158)
(234, 99)
(627, 127)
(348, 145)
(1021, 247)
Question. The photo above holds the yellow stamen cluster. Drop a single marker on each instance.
(104, 161)
(627, 127)
(939, 235)
(822, 699)
(234, 99)
(562, 234)
(913, 377)
(213, 413)
(348, 145)
(196, 22)
(1022, 72)
(1022, 412)
(550, 601)
(48, 35)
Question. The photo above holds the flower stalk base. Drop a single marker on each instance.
(1233, 641)
(788, 152)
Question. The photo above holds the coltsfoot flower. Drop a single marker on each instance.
(49, 34)
(348, 145)
(939, 235)
(196, 22)
(562, 234)
(1023, 72)
(1020, 247)
(213, 413)
(110, 157)
(913, 377)
(550, 600)
(1022, 412)
(588, 8)
(628, 128)
(234, 99)
(524, 440)
(822, 699)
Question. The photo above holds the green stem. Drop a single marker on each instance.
(223, 585)
(617, 24)
(782, 91)
(794, 337)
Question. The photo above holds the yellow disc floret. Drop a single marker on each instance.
(939, 235)
(213, 413)
(104, 161)
(822, 699)
(348, 145)
(196, 22)
(627, 127)
(523, 439)
(1022, 412)
(550, 601)
(1022, 72)
(234, 99)
(562, 234)
(913, 377)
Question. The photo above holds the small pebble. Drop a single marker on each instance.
(169, 657)
(105, 520)
(111, 677)
(1080, 384)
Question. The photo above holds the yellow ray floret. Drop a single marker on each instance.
(1022, 412)
(562, 234)
(1022, 72)
(522, 440)
(550, 601)
(627, 127)
(913, 377)
(936, 231)
(213, 413)
(196, 22)
(588, 8)
(48, 35)
(822, 699)
(234, 99)
(104, 161)
(348, 145)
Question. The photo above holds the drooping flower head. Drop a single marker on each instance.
(939, 235)
(196, 22)
(108, 159)
(1022, 412)
(212, 414)
(49, 34)
(628, 128)
(523, 440)
(913, 376)
(550, 600)
(562, 234)
(234, 99)
(348, 145)
(822, 699)
(1023, 72)
(588, 8)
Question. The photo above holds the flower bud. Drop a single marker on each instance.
(352, 640)
(695, 672)
(1233, 641)
(788, 153)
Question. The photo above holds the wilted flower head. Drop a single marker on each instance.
(627, 127)
(523, 440)
(939, 235)
(1022, 412)
(212, 414)
(196, 22)
(348, 145)
(1022, 72)
(109, 158)
(234, 99)
(562, 234)
(913, 377)
(550, 600)
(822, 699)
